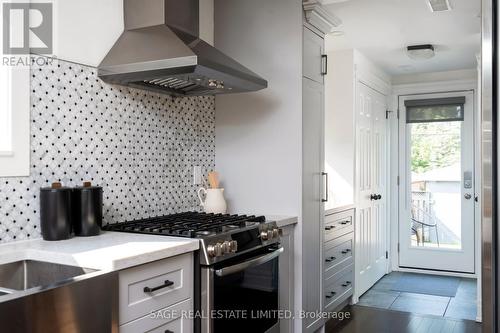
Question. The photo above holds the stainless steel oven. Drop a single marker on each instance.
(241, 294)
(236, 278)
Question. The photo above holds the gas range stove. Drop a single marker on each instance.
(221, 236)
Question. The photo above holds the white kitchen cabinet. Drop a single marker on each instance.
(313, 62)
(86, 30)
(338, 259)
(312, 178)
(167, 320)
(162, 287)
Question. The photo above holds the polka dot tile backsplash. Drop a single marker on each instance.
(141, 147)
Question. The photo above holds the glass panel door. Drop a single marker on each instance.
(436, 192)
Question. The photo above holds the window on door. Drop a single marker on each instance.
(435, 127)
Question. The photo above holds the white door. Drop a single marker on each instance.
(436, 204)
(370, 224)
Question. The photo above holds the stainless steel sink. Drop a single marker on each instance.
(40, 297)
(27, 274)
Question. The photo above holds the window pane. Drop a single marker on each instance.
(5, 103)
(5, 110)
(435, 191)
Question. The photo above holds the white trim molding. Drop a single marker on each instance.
(319, 18)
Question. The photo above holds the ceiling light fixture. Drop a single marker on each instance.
(439, 5)
(420, 52)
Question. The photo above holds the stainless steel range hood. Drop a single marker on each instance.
(160, 50)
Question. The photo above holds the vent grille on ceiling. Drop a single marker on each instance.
(439, 5)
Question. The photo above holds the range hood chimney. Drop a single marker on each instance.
(160, 50)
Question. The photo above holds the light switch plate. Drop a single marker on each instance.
(197, 177)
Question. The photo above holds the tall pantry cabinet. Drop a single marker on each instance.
(313, 97)
(317, 24)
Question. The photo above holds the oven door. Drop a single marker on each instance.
(241, 295)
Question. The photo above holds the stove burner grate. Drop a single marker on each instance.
(190, 224)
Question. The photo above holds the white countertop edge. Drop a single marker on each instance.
(109, 251)
(282, 220)
(339, 209)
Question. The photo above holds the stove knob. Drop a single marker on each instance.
(233, 246)
(264, 235)
(218, 249)
(211, 251)
(226, 247)
(276, 232)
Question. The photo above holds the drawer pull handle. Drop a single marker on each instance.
(346, 251)
(169, 331)
(330, 259)
(346, 283)
(329, 227)
(332, 293)
(165, 285)
(345, 222)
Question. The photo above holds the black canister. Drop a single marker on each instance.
(55, 212)
(87, 210)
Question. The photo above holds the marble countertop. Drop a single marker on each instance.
(108, 251)
(339, 209)
(281, 220)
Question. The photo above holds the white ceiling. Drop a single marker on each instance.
(381, 29)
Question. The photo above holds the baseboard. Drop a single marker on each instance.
(431, 272)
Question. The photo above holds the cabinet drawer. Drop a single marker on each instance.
(171, 281)
(169, 320)
(338, 254)
(338, 288)
(339, 224)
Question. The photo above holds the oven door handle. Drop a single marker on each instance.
(250, 263)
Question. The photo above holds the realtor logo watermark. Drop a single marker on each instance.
(27, 32)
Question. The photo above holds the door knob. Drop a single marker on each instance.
(379, 196)
(373, 197)
(467, 196)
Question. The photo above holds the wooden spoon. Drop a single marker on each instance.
(213, 179)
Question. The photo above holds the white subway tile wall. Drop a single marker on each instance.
(141, 147)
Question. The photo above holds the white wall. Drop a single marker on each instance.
(339, 128)
(258, 135)
(458, 75)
